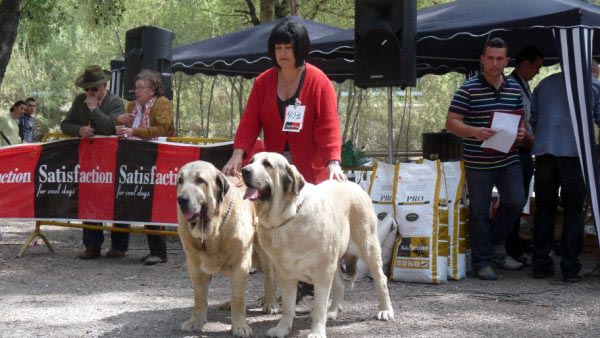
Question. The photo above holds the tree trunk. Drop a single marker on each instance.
(267, 10)
(241, 97)
(10, 14)
(210, 100)
(179, 81)
(355, 129)
(295, 7)
(232, 82)
(349, 109)
(201, 105)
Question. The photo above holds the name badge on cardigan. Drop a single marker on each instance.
(294, 117)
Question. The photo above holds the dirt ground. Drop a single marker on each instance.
(59, 295)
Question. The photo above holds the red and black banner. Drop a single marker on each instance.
(98, 179)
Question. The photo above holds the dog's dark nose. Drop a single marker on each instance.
(245, 174)
(182, 200)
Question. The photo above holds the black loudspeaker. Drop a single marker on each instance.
(384, 32)
(148, 47)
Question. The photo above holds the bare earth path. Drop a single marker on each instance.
(59, 295)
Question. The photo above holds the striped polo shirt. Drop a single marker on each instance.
(477, 100)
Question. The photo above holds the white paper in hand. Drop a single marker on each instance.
(506, 127)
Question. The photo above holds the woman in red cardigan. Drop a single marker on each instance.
(311, 141)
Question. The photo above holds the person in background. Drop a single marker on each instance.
(92, 113)
(9, 125)
(315, 147)
(148, 117)
(596, 89)
(27, 122)
(470, 116)
(528, 63)
(557, 170)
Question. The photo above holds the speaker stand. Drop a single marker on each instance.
(390, 126)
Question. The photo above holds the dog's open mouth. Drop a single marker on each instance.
(252, 193)
(191, 216)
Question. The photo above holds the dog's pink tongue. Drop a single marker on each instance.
(251, 193)
(188, 215)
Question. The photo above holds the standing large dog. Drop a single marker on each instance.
(217, 230)
(306, 229)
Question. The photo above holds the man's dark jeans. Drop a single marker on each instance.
(513, 241)
(484, 235)
(552, 173)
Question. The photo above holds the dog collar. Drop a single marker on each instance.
(226, 213)
(297, 211)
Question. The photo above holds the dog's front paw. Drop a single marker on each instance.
(385, 315)
(278, 332)
(316, 335)
(193, 324)
(334, 312)
(241, 331)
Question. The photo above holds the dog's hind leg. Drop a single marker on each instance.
(371, 254)
(289, 288)
(238, 280)
(337, 294)
(200, 281)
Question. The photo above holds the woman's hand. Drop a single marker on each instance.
(125, 119)
(234, 165)
(335, 171)
(123, 132)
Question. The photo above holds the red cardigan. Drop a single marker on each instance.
(316, 144)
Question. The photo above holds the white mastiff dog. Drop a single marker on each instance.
(305, 230)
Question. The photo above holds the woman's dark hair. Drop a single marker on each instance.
(18, 103)
(289, 31)
(153, 79)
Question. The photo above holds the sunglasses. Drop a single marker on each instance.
(93, 89)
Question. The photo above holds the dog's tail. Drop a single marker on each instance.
(351, 270)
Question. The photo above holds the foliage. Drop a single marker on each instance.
(58, 38)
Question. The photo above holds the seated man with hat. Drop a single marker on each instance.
(93, 113)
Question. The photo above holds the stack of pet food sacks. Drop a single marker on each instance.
(453, 212)
(426, 201)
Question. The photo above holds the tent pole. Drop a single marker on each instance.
(390, 127)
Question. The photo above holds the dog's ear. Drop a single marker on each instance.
(222, 187)
(293, 181)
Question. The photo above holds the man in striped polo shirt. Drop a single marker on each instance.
(470, 116)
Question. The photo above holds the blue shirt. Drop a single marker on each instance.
(26, 128)
(477, 100)
(551, 118)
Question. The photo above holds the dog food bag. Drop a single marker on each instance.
(451, 189)
(419, 250)
(386, 232)
(382, 192)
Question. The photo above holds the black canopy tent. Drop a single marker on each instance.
(244, 53)
(451, 36)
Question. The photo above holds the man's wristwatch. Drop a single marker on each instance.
(334, 163)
